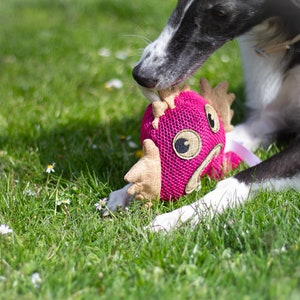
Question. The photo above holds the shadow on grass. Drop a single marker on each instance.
(80, 148)
(77, 148)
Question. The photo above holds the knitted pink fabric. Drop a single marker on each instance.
(189, 114)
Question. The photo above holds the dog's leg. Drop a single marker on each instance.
(252, 134)
(267, 88)
(228, 193)
(281, 171)
(269, 119)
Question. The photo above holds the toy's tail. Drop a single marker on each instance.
(235, 153)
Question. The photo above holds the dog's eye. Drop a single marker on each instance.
(212, 118)
(187, 144)
(218, 13)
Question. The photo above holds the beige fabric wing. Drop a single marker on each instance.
(145, 175)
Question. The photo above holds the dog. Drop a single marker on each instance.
(269, 37)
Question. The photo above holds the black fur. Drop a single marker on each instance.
(285, 164)
(205, 27)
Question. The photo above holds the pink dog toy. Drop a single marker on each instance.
(183, 139)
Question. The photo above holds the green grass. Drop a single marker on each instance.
(54, 107)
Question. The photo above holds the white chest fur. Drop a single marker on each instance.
(263, 74)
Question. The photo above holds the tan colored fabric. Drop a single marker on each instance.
(167, 97)
(220, 100)
(145, 175)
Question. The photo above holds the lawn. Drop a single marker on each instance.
(56, 107)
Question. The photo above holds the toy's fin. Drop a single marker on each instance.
(145, 175)
(220, 100)
(167, 97)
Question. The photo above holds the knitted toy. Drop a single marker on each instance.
(183, 139)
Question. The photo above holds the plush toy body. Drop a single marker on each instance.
(191, 142)
(183, 139)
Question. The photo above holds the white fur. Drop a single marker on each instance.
(273, 97)
(229, 193)
(157, 49)
(288, 99)
(282, 112)
(154, 53)
(186, 7)
(263, 74)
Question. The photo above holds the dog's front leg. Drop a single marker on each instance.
(228, 193)
(282, 171)
(254, 133)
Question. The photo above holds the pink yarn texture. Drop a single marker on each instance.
(189, 114)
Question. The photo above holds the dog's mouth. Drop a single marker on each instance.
(150, 94)
(153, 94)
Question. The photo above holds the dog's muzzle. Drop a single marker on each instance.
(144, 78)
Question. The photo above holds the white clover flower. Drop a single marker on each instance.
(122, 55)
(64, 201)
(104, 52)
(4, 229)
(30, 193)
(225, 58)
(36, 279)
(50, 168)
(114, 83)
(99, 205)
(132, 145)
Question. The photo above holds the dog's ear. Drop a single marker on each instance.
(220, 100)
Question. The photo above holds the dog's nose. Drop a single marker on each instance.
(143, 79)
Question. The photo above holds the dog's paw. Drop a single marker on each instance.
(168, 221)
(164, 222)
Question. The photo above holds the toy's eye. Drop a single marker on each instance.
(212, 118)
(187, 144)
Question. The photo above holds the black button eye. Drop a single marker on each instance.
(182, 145)
(187, 144)
(212, 118)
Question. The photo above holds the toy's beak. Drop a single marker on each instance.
(195, 182)
(145, 175)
